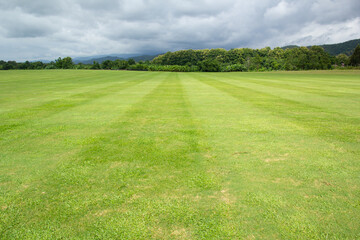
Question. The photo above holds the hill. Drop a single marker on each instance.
(335, 49)
(145, 57)
(99, 60)
(113, 57)
(345, 47)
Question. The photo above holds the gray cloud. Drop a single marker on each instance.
(35, 7)
(48, 29)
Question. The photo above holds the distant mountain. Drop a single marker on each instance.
(290, 47)
(91, 60)
(113, 57)
(345, 47)
(145, 57)
(335, 49)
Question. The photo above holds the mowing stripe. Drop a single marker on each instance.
(146, 165)
(181, 156)
(12, 120)
(343, 106)
(256, 149)
(10, 219)
(56, 87)
(326, 124)
(62, 134)
(290, 84)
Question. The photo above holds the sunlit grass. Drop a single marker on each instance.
(146, 155)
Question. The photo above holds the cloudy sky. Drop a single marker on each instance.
(47, 29)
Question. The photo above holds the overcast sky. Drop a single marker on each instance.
(47, 29)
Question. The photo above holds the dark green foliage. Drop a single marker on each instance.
(65, 63)
(319, 59)
(346, 48)
(342, 60)
(245, 59)
(144, 58)
(95, 65)
(80, 66)
(131, 61)
(120, 64)
(37, 65)
(50, 66)
(138, 67)
(209, 66)
(107, 64)
(9, 65)
(234, 68)
(355, 57)
(173, 68)
(25, 65)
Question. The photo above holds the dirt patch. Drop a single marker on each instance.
(250, 237)
(277, 159)
(158, 233)
(102, 213)
(117, 164)
(180, 234)
(320, 183)
(310, 196)
(287, 180)
(239, 153)
(224, 196)
(295, 182)
(134, 197)
(197, 198)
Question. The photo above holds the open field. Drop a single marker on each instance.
(142, 155)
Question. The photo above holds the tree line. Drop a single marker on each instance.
(213, 60)
(266, 59)
(67, 63)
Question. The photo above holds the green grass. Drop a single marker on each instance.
(147, 155)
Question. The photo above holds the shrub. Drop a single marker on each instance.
(209, 66)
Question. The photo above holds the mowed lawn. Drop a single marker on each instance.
(149, 155)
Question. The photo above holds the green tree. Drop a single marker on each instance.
(209, 66)
(107, 64)
(342, 59)
(131, 61)
(355, 57)
(120, 64)
(67, 63)
(25, 65)
(319, 59)
(95, 65)
(10, 65)
(37, 65)
(59, 63)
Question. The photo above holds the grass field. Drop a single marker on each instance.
(147, 155)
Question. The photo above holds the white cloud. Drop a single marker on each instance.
(316, 33)
(281, 10)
